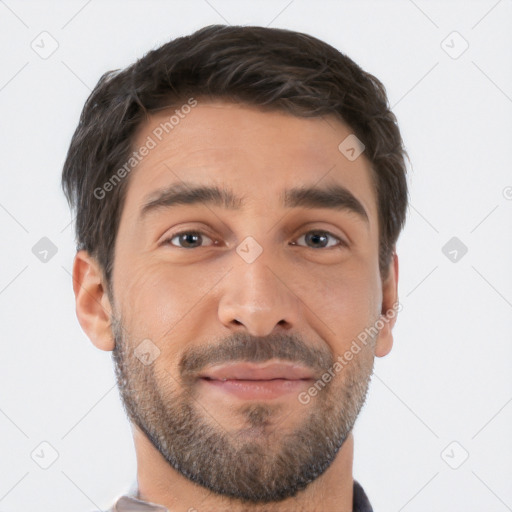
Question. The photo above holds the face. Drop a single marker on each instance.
(230, 306)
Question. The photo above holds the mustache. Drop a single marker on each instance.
(241, 347)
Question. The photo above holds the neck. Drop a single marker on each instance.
(160, 483)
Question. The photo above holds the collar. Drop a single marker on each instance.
(129, 502)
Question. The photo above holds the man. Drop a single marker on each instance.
(239, 194)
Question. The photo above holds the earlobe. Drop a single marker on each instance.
(93, 308)
(390, 309)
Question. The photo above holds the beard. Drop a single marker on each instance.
(264, 462)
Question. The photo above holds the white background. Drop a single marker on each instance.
(448, 377)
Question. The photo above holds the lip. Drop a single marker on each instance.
(255, 389)
(255, 381)
(251, 371)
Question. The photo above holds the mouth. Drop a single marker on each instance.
(255, 381)
(251, 371)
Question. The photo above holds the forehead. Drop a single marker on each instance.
(257, 153)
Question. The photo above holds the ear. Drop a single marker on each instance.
(93, 308)
(390, 308)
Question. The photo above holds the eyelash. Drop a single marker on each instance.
(167, 241)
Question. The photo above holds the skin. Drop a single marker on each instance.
(194, 300)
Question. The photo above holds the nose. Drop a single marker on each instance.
(257, 297)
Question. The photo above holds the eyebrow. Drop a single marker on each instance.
(334, 197)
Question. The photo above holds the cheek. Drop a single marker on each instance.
(345, 295)
(150, 300)
(159, 300)
(347, 303)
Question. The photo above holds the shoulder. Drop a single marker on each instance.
(361, 503)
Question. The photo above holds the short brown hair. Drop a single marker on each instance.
(271, 68)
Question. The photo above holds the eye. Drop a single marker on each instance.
(190, 239)
(320, 239)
